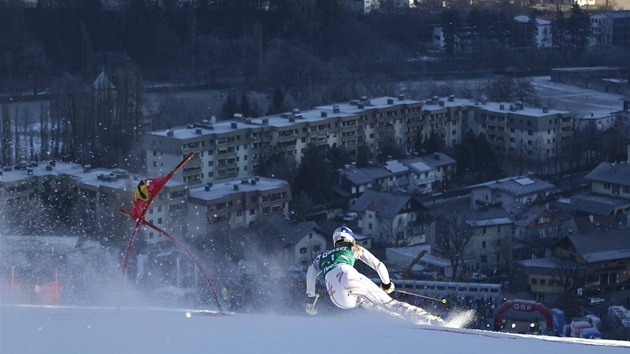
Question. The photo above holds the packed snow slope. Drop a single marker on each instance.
(141, 330)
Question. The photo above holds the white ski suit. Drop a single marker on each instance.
(348, 288)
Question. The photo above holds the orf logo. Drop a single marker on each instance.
(523, 307)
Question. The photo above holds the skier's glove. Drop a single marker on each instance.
(310, 294)
(388, 288)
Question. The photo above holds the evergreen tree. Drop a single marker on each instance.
(558, 29)
(315, 175)
(230, 106)
(6, 145)
(450, 23)
(277, 103)
(579, 29)
(246, 107)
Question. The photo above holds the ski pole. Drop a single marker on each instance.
(310, 308)
(418, 295)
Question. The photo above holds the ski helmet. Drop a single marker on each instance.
(343, 233)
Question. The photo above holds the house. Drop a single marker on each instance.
(601, 121)
(610, 192)
(477, 240)
(421, 176)
(594, 223)
(597, 262)
(443, 166)
(412, 175)
(302, 241)
(610, 178)
(502, 192)
(605, 254)
(489, 246)
(391, 219)
(546, 278)
(536, 229)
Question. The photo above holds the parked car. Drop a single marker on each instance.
(478, 277)
(350, 217)
(593, 301)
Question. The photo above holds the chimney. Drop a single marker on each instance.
(390, 101)
(234, 125)
(324, 114)
(236, 187)
(169, 133)
(335, 109)
(545, 109)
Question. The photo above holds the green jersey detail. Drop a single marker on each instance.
(342, 254)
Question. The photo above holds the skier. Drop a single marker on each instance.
(348, 288)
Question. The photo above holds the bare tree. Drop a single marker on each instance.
(568, 274)
(6, 143)
(453, 234)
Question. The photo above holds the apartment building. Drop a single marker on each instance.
(232, 149)
(96, 195)
(611, 28)
(26, 181)
(100, 193)
(537, 133)
(236, 203)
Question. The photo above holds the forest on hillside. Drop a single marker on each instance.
(297, 44)
(296, 53)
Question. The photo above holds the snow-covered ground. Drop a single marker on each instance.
(143, 330)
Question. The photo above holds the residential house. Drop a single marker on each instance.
(610, 192)
(475, 240)
(595, 222)
(442, 165)
(411, 175)
(601, 121)
(502, 192)
(421, 177)
(536, 230)
(302, 241)
(545, 278)
(597, 262)
(605, 254)
(391, 219)
(489, 248)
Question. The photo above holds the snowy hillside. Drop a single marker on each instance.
(128, 330)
